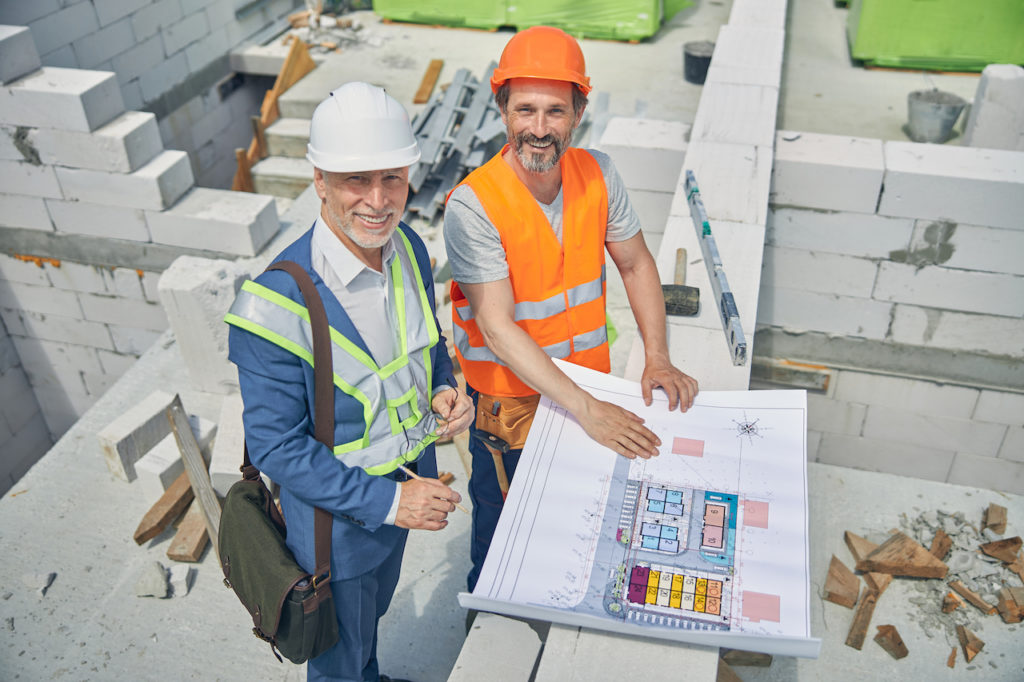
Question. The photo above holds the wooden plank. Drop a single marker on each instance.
(951, 602)
(429, 81)
(970, 642)
(1011, 604)
(995, 518)
(877, 581)
(941, 544)
(195, 467)
(951, 661)
(841, 586)
(859, 547)
(725, 673)
(259, 137)
(889, 639)
(738, 657)
(972, 597)
(861, 619)
(1005, 550)
(191, 539)
(166, 510)
(1018, 566)
(242, 181)
(900, 555)
(296, 65)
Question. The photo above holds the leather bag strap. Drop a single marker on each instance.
(323, 398)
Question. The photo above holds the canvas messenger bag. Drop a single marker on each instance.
(291, 609)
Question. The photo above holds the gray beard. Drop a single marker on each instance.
(533, 161)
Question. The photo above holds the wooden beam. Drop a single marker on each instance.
(900, 555)
(889, 639)
(195, 467)
(167, 508)
(970, 642)
(861, 619)
(1005, 550)
(296, 65)
(259, 137)
(995, 518)
(941, 544)
(192, 537)
(972, 597)
(841, 585)
(429, 81)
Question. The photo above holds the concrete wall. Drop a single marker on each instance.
(170, 58)
(92, 210)
(23, 432)
(898, 266)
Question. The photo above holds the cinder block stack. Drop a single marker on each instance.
(96, 180)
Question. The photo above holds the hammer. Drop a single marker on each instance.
(680, 299)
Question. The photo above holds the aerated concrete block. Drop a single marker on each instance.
(17, 210)
(18, 54)
(46, 300)
(851, 234)
(217, 220)
(750, 46)
(226, 456)
(996, 120)
(647, 153)
(55, 97)
(831, 172)
(736, 113)
(924, 397)
(1001, 407)
(931, 328)
(798, 311)
(950, 289)
(158, 468)
(939, 433)
(126, 439)
(98, 220)
(116, 310)
(873, 454)
(154, 186)
(987, 472)
(196, 293)
(825, 273)
(960, 184)
(22, 177)
(124, 145)
(760, 13)
(733, 179)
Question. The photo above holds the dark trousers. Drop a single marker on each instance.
(359, 603)
(485, 494)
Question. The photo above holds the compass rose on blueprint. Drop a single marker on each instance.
(749, 429)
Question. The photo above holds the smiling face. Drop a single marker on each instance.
(363, 208)
(540, 121)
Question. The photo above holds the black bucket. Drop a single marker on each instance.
(696, 60)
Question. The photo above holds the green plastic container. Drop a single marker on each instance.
(939, 35)
(607, 19)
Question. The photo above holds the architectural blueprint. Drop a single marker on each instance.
(705, 543)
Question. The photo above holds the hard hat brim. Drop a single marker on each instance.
(333, 163)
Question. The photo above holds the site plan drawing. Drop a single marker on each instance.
(705, 543)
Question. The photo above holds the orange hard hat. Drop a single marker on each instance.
(542, 52)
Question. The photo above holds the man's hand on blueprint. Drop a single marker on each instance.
(617, 429)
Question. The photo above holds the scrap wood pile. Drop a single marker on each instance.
(325, 31)
(457, 131)
(969, 574)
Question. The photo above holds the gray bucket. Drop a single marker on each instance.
(696, 60)
(932, 114)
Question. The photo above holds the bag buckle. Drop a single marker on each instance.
(317, 579)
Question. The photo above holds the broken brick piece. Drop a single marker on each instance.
(841, 585)
(900, 555)
(1005, 550)
(970, 642)
(889, 639)
(941, 544)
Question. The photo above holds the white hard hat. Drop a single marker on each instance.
(359, 127)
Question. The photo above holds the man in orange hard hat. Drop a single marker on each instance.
(526, 235)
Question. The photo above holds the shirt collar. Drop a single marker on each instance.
(346, 265)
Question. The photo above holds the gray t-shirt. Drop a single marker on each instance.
(474, 245)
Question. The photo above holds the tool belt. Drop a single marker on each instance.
(506, 418)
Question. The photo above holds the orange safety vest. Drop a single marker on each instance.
(559, 289)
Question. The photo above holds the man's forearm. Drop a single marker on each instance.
(643, 289)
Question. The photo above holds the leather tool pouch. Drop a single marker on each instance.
(507, 418)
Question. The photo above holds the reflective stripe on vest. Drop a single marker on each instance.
(558, 288)
(395, 398)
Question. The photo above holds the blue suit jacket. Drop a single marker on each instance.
(277, 389)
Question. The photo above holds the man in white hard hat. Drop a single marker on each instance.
(393, 378)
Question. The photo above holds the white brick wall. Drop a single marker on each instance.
(945, 288)
(939, 433)
(64, 26)
(110, 11)
(971, 247)
(827, 171)
(986, 472)
(809, 311)
(54, 97)
(47, 300)
(1000, 407)
(18, 54)
(22, 211)
(99, 220)
(123, 312)
(872, 454)
(824, 273)
(125, 144)
(931, 328)
(188, 30)
(149, 20)
(939, 400)
(156, 185)
(22, 177)
(1013, 445)
(851, 234)
(834, 416)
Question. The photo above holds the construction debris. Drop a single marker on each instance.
(430, 77)
(166, 510)
(192, 537)
(181, 579)
(972, 597)
(900, 555)
(1011, 604)
(951, 602)
(889, 639)
(841, 586)
(970, 642)
(994, 518)
(1004, 550)
(152, 582)
(951, 661)
(862, 619)
(941, 545)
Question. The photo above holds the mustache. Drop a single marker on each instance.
(530, 138)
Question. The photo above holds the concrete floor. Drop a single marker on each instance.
(69, 516)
